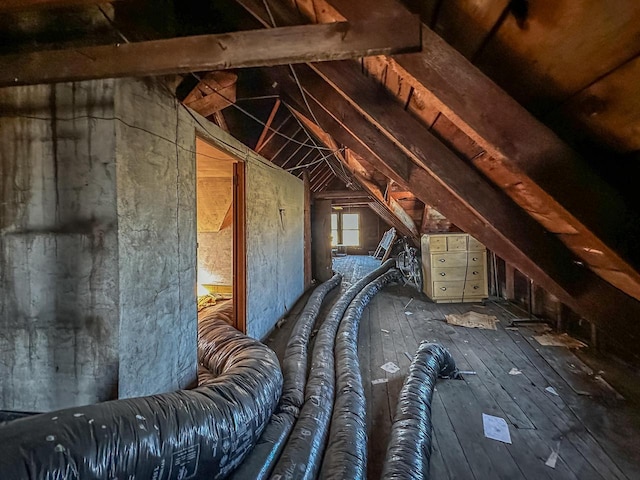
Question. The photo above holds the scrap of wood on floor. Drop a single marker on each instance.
(472, 319)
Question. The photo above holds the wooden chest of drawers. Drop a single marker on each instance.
(454, 268)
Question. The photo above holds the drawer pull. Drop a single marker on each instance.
(474, 273)
(443, 288)
(476, 287)
(442, 260)
(474, 259)
(442, 274)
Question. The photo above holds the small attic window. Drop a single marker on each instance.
(345, 229)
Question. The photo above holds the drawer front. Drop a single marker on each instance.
(476, 259)
(438, 243)
(448, 260)
(447, 274)
(475, 244)
(458, 289)
(471, 259)
(447, 289)
(456, 243)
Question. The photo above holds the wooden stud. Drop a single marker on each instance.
(509, 280)
(321, 233)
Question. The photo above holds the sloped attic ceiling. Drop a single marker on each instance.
(436, 126)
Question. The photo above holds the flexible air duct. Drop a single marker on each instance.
(201, 433)
(302, 454)
(409, 449)
(346, 454)
(260, 461)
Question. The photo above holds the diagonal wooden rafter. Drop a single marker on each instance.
(390, 203)
(252, 48)
(399, 217)
(523, 157)
(267, 125)
(460, 192)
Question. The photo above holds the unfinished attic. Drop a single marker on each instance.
(335, 239)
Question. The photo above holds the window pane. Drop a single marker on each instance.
(350, 221)
(334, 238)
(334, 221)
(351, 238)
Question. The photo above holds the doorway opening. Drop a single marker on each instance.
(221, 255)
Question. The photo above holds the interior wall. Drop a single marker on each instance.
(59, 284)
(155, 159)
(215, 257)
(215, 235)
(98, 242)
(275, 244)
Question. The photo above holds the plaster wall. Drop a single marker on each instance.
(98, 242)
(155, 160)
(215, 238)
(59, 321)
(275, 244)
(215, 257)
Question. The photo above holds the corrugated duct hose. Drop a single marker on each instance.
(261, 460)
(409, 449)
(200, 433)
(346, 454)
(303, 452)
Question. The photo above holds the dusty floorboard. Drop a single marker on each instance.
(597, 435)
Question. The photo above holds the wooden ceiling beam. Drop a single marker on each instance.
(342, 194)
(9, 5)
(251, 48)
(349, 203)
(439, 178)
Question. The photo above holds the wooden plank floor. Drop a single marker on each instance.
(597, 435)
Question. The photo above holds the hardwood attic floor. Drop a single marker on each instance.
(596, 434)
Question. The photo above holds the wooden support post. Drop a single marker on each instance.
(509, 287)
(321, 234)
(561, 317)
(594, 336)
(307, 229)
